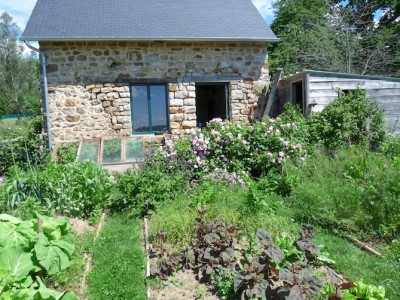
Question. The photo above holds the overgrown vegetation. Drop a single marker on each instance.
(275, 174)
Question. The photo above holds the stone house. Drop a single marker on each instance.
(151, 67)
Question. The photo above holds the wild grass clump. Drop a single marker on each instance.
(355, 190)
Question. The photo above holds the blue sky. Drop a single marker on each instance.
(20, 10)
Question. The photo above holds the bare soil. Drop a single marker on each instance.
(80, 226)
(183, 286)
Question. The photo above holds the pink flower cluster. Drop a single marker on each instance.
(169, 149)
(219, 175)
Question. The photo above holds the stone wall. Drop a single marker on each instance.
(88, 100)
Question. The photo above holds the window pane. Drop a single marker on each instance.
(134, 149)
(89, 150)
(158, 107)
(111, 150)
(140, 112)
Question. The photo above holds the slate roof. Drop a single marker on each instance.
(205, 20)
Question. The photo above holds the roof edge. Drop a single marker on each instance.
(343, 75)
(163, 39)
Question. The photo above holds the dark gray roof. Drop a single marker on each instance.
(208, 20)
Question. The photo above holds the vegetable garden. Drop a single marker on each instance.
(234, 211)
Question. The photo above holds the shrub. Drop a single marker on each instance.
(29, 149)
(74, 189)
(142, 190)
(348, 120)
(239, 147)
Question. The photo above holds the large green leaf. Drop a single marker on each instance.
(10, 219)
(54, 228)
(16, 263)
(17, 236)
(54, 256)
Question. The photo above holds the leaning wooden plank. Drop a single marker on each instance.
(273, 94)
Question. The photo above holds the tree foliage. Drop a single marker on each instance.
(357, 36)
(19, 73)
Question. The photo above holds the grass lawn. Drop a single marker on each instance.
(11, 128)
(118, 261)
(356, 264)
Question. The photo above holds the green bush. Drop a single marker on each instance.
(29, 150)
(74, 189)
(348, 120)
(143, 190)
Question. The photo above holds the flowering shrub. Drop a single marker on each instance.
(234, 147)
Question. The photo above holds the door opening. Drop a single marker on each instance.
(298, 95)
(211, 102)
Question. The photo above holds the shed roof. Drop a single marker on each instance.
(342, 75)
(203, 20)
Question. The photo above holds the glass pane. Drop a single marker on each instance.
(89, 150)
(111, 150)
(134, 149)
(158, 108)
(140, 110)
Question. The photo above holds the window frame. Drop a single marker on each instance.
(149, 109)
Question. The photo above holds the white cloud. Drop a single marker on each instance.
(19, 10)
(265, 8)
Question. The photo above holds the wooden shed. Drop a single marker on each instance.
(313, 90)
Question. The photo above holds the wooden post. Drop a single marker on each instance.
(273, 94)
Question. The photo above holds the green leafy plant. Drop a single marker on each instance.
(348, 120)
(29, 250)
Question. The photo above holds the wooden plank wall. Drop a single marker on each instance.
(285, 94)
(322, 90)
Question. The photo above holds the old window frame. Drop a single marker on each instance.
(149, 107)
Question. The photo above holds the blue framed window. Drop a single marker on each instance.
(149, 108)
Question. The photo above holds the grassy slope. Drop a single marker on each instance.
(118, 262)
(356, 264)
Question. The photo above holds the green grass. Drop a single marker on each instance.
(11, 128)
(118, 261)
(356, 264)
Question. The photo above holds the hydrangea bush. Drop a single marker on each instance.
(234, 148)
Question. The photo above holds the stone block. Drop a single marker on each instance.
(112, 95)
(188, 124)
(123, 119)
(119, 89)
(192, 94)
(189, 102)
(181, 94)
(176, 102)
(73, 118)
(237, 95)
(117, 126)
(106, 104)
(125, 95)
(102, 97)
(175, 125)
(176, 117)
(71, 102)
(190, 117)
(106, 90)
(172, 88)
(174, 110)
(191, 88)
(189, 109)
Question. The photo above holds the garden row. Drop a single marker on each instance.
(258, 184)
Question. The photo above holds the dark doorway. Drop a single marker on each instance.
(211, 102)
(298, 95)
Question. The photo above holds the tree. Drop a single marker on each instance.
(335, 36)
(19, 77)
